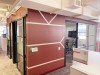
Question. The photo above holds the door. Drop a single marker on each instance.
(70, 42)
(9, 41)
(14, 41)
(21, 55)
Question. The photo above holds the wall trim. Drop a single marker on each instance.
(44, 63)
(43, 16)
(53, 18)
(47, 43)
(43, 44)
(45, 24)
(62, 45)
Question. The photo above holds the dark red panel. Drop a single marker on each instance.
(35, 16)
(44, 34)
(48, 16)
(39, 34)
(45, 68)
(60, 20)
(45, 53)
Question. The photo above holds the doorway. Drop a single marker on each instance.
(21, 45)
(12, 41)
(16, 46)
(71, 30)
(9, 41)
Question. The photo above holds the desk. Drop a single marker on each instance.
(92, 68)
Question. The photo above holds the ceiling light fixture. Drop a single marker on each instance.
(3, 9)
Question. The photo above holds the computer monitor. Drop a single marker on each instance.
(72, 34)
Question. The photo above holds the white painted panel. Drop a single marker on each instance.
(92, 37)
(52, 3)
(89, 14)
(71, 4)
(3, 43)
(33, 4)
(80, 54)
(94, 61)
(91, 40)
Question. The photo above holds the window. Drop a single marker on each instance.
(82, 31)
(2, 30)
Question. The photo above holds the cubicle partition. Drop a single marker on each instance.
(80, 55)
(91, 68)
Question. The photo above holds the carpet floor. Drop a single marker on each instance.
(8, 68)
(6, 65)
(65, 70)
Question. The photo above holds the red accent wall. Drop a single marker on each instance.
(40, 30)
(44, 33)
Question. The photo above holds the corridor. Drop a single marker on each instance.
(6, 65)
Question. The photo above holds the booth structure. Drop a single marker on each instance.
(42, 40)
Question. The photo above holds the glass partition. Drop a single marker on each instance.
(87, 36)
(20, 44)
(82, 35)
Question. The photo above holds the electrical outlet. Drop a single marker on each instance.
(59, 48)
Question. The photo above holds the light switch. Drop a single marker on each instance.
(35, 49)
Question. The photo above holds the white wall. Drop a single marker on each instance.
(3, 43)
(70, 27)
(92, 37)
(0, 42)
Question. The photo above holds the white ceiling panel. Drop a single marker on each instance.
(7, 1)
(93, 3)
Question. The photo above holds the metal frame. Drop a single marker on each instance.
(65, 59)
(24, 45)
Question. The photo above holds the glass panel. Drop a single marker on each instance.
(20, 45)
(2, 30)
(82, 35)
(82, 27)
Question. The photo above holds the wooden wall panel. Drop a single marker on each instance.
(21, 12)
